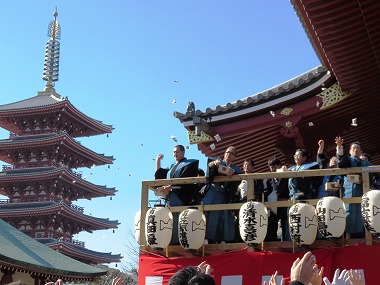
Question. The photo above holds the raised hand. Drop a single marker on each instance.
(355, 277)
(340, 278)
(317, 276)
(303, 269)
(205, 267)
(339, 141)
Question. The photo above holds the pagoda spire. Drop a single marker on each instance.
(51, 60)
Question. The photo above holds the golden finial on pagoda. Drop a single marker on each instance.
(51, 60)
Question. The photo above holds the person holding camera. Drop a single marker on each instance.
(220, 224)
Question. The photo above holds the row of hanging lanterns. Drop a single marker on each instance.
(328, 217)
(159, 227)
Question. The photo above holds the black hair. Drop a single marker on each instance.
(274, 161)
(191, 275)
(181, 147)
(358, 143)
(304, 152)
(250, 160)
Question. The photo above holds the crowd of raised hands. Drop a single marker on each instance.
(305, 271)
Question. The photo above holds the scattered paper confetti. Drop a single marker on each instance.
(317, 104)
(272, 113)
(212, 146)
(354, 122)
(217, 138)
(174, 138)
(174, 101)
(187, 147)
(311, 124)
(176, 81)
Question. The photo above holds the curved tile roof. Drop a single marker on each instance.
(60, 137)
(269, 96)
(82, 250)
(52, 171)
(42, 103)
(23, 252)
(33, 102)
(11, 209)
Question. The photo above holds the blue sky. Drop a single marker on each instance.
(120, 61)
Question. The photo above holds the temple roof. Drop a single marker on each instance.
(294, 89)
(24, 253)
(82, 253)
(59, 141)
(43, 208)
(50, 104)
(58, 173)
(346, 37)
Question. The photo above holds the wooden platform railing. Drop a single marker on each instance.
(149, 185)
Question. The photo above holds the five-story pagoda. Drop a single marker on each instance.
(40, 180)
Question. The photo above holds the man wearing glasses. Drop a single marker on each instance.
(220, 225)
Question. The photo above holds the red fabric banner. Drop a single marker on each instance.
(248, 268)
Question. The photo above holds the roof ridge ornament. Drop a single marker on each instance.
(51, 61)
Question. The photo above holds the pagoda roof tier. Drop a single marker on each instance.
(83, 254)
(54, 112)
(60, 147)
(54, 175)
(58, 209)
(25, 254)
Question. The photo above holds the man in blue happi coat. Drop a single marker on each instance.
(325, 163)
(303, 187)
(354, 222)
(177, 195)
(220, 224)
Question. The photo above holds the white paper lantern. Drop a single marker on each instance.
(303, 223)
(137, 226)
(371, 210)
(253, 222)
(191, 228)
(158, 226)
(331, 217)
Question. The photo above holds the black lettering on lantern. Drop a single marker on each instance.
(250, 220)
(183, 223)
(151, 228)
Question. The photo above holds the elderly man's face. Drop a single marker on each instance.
(229, 155)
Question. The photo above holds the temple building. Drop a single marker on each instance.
(42, 154)
(339, 97)
(25, 260)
